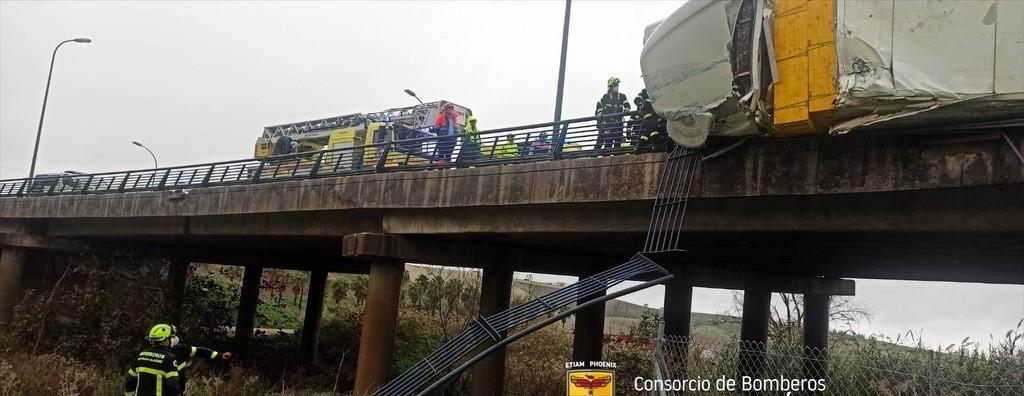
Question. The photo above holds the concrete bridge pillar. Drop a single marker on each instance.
(12, 263)
(495, 296)
(377, 339)
(678, 302)
(249, 299)
(816, 316)
(588, 332)
(677, 313)
(311, 322)
(754, 332)
(177, 280)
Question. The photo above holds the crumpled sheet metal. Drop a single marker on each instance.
(896, 60)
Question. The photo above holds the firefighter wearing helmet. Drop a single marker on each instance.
(610, 111)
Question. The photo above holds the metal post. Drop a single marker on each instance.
(561, 65)
(46, 96)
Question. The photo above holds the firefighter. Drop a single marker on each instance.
(471, 142)
(154, 372)
(185, 353)
(649, 127)
(609, 109)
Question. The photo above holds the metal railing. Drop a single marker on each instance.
(580, 137)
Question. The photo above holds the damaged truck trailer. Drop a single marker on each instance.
(804, 67)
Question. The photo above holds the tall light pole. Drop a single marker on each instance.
(46, 95)
(561, 66)
(413, 94)
(155, 166)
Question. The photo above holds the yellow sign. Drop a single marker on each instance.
(590, 382)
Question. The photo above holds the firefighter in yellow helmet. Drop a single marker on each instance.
(165, 334)
(610, 108)
(154, 372)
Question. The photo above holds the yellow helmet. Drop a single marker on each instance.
(160, 332)
(613, 81)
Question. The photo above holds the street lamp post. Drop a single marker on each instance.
(413, 94)
(155, 166)
(46, 95)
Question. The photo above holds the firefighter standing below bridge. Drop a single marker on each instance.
(154, 372)
(609, 109)
(165, 336)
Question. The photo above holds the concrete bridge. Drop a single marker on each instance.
(769, 215)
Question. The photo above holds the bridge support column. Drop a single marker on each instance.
(677, 311)
(311, 322)
(816, 314)
(249, 299)
(377, 340)
(12, 263)
(754, 332)
(588, 332)
(495, 296)
(177, 280)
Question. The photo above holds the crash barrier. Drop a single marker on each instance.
(580, 137)
(851, 366)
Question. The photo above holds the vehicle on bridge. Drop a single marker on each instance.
(797, 67)
(368, 134)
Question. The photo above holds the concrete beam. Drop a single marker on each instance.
(495, 296)
(377, 339)
(249, 299)
(721, 277)
(311, 321)
(40, 242)
(469, 254)
(677, 307)
(12, 263)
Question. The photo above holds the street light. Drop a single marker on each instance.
(155, 166)
(46, 95)
(413, 94)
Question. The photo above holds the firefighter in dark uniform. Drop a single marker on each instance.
(185, 353)
(650, 128)
(609, 125)
(154, 372)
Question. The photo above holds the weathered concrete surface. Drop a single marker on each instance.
(848, 164)
(840, 207)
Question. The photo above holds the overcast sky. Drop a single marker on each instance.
(196, 82)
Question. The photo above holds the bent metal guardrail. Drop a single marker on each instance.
(580, 137)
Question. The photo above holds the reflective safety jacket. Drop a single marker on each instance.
(154, 372)
(472, 133)
(506, 149)
(184, 354)
(612, 104)
(651, 123)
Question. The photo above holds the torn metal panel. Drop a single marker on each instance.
(917, 64)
